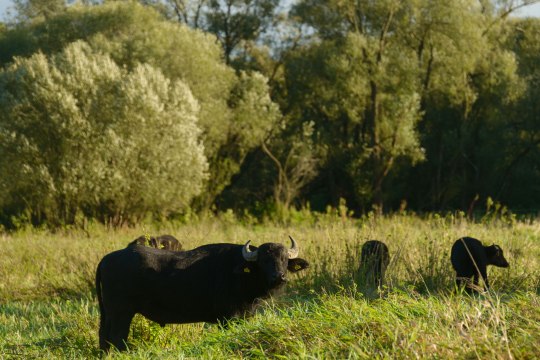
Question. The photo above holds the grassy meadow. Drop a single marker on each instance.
(48, 307)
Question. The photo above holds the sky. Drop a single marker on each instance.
(531, 10)
(3, 7)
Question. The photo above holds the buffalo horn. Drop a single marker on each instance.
(247, 254)
(293, 251)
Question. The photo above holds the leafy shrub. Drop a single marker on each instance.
(78, 133)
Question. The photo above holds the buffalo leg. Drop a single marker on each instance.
(475, 283)
(119, 330)
(104, 333)
(483, 272)
(465, 283)
(459, 282)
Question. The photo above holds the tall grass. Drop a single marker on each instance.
(48, 307)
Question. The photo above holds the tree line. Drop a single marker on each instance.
(121, 110)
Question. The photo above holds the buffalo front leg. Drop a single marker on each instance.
(483, 272)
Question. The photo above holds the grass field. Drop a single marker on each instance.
(48, 307)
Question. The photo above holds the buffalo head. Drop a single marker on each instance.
(272, 261)
(495, 256)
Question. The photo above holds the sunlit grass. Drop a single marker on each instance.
(48, 307)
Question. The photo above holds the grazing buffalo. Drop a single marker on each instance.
(166, 242)
(374, 261)
(470, 260)
(211, 283)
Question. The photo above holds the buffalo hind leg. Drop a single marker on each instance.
(465, 283)
(475, 286)
(459, 283)
(119, 330)
(104, 333)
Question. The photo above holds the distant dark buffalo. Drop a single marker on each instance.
(374, 261)
(470, 260)
(167, 242)
(211, 283)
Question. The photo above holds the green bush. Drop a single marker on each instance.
(80, 134)
(236, 111)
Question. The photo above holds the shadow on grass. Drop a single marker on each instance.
(430, 280)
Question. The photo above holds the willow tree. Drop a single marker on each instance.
(79, 134)
(131, 34)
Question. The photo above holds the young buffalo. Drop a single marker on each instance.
(374, 261)
(166, 242)
(470, 259)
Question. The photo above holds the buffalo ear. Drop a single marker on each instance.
(297, 264)
(491, 250)
(244, 268)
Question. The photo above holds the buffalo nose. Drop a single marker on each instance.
(279, 277)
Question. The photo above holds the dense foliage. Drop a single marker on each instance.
(427, 105)
(79, 133)
(234, 112)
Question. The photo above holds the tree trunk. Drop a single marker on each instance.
(376, 156)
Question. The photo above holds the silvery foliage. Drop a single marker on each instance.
(78, 132)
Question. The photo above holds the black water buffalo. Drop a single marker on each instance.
(167, 242)
(211, 283)
(374, 261)
(470, 260)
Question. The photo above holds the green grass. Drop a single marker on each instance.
(48, 307)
